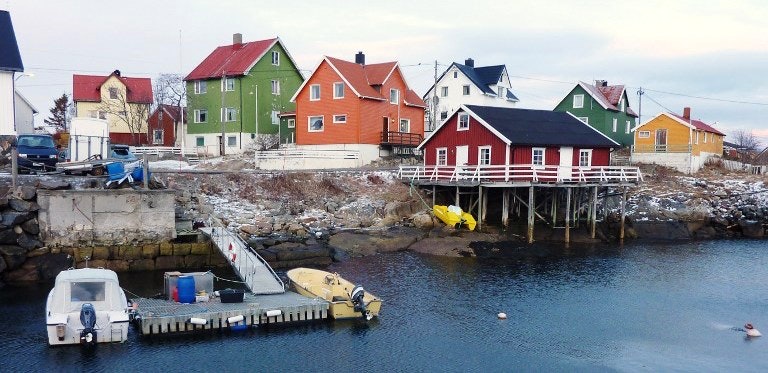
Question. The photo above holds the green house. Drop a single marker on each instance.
(238, 95)
(604, 107)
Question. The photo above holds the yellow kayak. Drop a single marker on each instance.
(454, 216)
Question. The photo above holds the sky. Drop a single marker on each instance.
(711, 56)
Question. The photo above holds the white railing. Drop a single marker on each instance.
(304, 154)
(522, 173)
(157, 150)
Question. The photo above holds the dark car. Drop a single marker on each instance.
(121, 152)
(37, 152)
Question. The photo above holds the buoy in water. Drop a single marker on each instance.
(502, 316)
(751, 331)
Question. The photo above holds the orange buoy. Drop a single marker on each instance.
(234, 256)
(230, 246)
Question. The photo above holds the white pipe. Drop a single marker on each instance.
(198, 321)
(271, 313)
(235, 319)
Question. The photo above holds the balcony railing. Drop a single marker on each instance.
(521, 173)
(402, 139)
(651, 148)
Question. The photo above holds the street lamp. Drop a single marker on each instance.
(24, 74)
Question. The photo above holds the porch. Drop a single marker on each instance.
(520, 175)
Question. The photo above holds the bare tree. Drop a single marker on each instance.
(170, 90)
(134, 114)
(747, 144)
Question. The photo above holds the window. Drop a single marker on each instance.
(705, 137)
(157, 136)
(697, 138)
(314, 92)
(484, 155)
(443, 115)
(537, 158)
(275, 117)
(200, 141)
(315, 124)
(644, 134)
(584, 119)
(455, 74)
(113, 93)
(442, 156)
(228, 84)
(291, 123)
(465, 90)
(201, 86)
(201, 116)
(275, 58)
(228, 114)
(626, 130)
(87, 291)
(275, 87)
(405, 125)
(585, 158)
(97, 114)
(394, 96)
(444, 91)
(231, 141)
(340, 118)
(578, 101)
(338, 90)
(501, 92)
(615, 124)
(463, 122)
(621, 103)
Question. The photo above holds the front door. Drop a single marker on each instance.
(661, 140)
(565, 170)
(462, 158)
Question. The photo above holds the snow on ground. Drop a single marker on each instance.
(171, 165)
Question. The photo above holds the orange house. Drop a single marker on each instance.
(357, 107)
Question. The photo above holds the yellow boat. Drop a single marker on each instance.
(454, 216)
(347, 300)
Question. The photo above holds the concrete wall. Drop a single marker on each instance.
(312, 157)
(678, 161)
(105, 217)
(6, 103)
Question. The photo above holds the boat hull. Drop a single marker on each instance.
(313, 283)
(455, 220)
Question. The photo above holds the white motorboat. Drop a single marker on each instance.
(86, 306)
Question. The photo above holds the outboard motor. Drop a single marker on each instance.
(357, 300)
(88, 319)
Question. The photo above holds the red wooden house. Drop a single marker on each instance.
(165, 126)
(368, 106)
(507, 144)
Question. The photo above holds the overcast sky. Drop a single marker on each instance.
(709, 55)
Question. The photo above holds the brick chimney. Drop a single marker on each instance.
(360, 58)
(469, 62)
(237, 39)
(601, 83)
(687, 113)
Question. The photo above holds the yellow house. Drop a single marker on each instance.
(676, 141)
(124, 102)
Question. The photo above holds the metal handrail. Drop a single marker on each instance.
(237, 264)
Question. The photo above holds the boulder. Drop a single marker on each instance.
(752, 229)
(11, 218)
(22, 205)
(309, 262)
(423, 220)
(53, 185)
(28, 242)
(661, 230)
(8, 236)
(25, 192)
(14, 255)
(3, 266)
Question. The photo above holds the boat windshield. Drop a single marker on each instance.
(87, 291)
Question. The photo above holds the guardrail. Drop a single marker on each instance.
(401, 138)
(521, 173)
(684, 148)
(157, 150)
(255, 272)
(302, 154)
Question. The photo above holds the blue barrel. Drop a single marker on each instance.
(186, 289)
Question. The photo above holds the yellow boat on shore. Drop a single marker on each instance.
(347, 300)
(454, 216)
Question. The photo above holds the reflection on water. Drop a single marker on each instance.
(638, 307)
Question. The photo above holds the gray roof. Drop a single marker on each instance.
(10, 59)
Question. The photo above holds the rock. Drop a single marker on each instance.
(11, 218)
(149, 251)
(22, 275)
(752, 229)
(446, 246)
(142, 265)
(353, 243)
(28, 242)
(181, 249)
(249, 229)
(195, 261)
(53, 185)
(3, 265)
(3, 201)
(8, 236)
(661, 230)
(303, 253)
(39, 251)
(22, 205)
(309, 262)
(167, 262)
(705, 233)
(200, 248)
(17, 229)
(402, 209)
(423, 220)
(268, 255)
(117, 265)
(25, 192)
(14, 255)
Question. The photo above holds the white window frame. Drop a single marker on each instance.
(225, 114)
(394, 96)
(705, 137)
(584, 119)
(480, 150)
(465, 126)
(444, 160)
(455, 74)
(443, 115)
(275, 115)
(226, 86)
(291, 123)
(340, 118)
(201, 87)
(314, 92)
(615, 125)
(338, 90)
(155, 140)
(578, 101)
(644, 134)
(231, 141)
(543, 157)
(407, 123)
(500, 92)
(444, 91)
(112, 93)
(309, 123)
(198, 113)
(588, 153)
(199, 141)
(275, 87)
(621, 102)
(629, 126)
(275, 58)
(465, 90)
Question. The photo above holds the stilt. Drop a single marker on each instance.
(485, 203)
(531, 200)
(434, 194)
(593, 212)
(480, 210)
(457, 196)
(553, 206)
(623, 212)
(505, 208)
(567, 216)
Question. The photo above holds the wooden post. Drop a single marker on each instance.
(457, 196)
(623, 212)
(531, 206)
(480, 207)
(485, 204)
(593, 212)
(505, 208)
(567, 216)
(434, 192)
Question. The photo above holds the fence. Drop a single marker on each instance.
(488, 174)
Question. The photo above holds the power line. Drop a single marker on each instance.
(655, 102)
(709, 98)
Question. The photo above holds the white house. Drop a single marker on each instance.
(25, 115)
(468, 85)
(10, 64)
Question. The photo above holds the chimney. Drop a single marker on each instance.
(687, 113)
(469, 62)
(116, 73)
(237, 39)
(360, 58)
(601, 83)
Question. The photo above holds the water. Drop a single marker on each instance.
(632, 308)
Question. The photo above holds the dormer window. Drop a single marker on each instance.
(578, 101)
(455, 74)
(501, 92)
(276, 58)
(621, 103)
(394, 96)
(463, 124)
(113, 93)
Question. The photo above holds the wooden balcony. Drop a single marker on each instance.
(683, 148)
(401, 139)
(511, 175)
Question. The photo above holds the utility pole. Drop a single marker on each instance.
(640, 93)
(222, 143)
(433, 112)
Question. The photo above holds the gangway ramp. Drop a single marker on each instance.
(255, 272)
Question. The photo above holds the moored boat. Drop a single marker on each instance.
(347, 300)
(86, 306)
(454, 216)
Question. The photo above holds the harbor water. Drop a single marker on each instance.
(638, 307)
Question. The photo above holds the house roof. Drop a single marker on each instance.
(10, 59)
(34, 110)
(482, 77)
(88, 88)
(698, 124)
(231, 60)
(172, 111)
(413, 99)
(536, 127)
(608, 96)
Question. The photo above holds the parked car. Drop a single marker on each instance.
(121, 152)
(37, 152)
